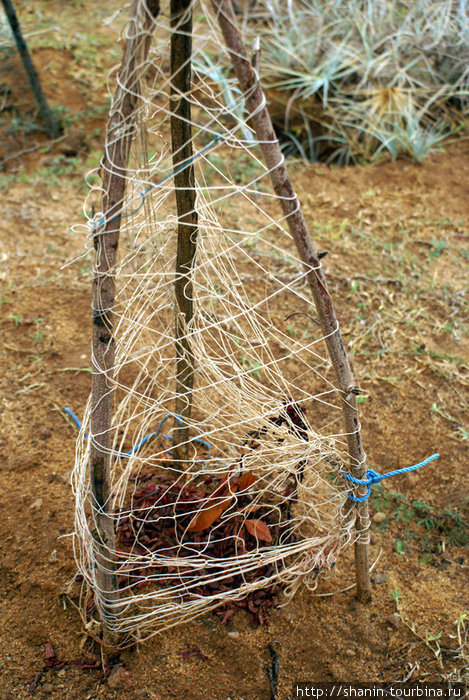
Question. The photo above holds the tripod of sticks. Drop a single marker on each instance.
(106, 238)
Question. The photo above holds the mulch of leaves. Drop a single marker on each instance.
(172, 519)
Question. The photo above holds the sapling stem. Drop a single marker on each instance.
(181, 141)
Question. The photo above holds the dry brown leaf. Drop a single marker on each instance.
(251, 508)
(207, 516)
(258, 529)
(245, 481)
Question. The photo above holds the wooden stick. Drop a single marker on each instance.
(262, 125)
(106, 238)
(53, 127)
(181, 141)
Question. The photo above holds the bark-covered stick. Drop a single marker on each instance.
(118, 139)
(181, 142)
(262, 125)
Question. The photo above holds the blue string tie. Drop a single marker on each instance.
(138, 447)
(373, 477)
(149, 189)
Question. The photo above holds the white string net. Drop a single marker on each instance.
(259, 505)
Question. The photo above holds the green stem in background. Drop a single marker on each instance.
(53, 127)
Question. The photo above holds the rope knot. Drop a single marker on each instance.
(373, 477)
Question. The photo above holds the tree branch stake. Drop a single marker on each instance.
(120, 130)
(262, 125)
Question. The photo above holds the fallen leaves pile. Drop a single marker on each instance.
(173, 519)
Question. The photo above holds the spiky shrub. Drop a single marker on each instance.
(360, 79)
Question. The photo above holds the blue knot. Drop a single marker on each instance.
(373, 477)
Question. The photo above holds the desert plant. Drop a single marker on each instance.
(361, 80)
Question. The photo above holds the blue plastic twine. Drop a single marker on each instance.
(135, 449)
(180, 421)
(149, 189)
(373, 477)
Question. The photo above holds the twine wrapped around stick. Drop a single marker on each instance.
(264, 509)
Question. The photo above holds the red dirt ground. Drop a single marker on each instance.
(398, 242)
